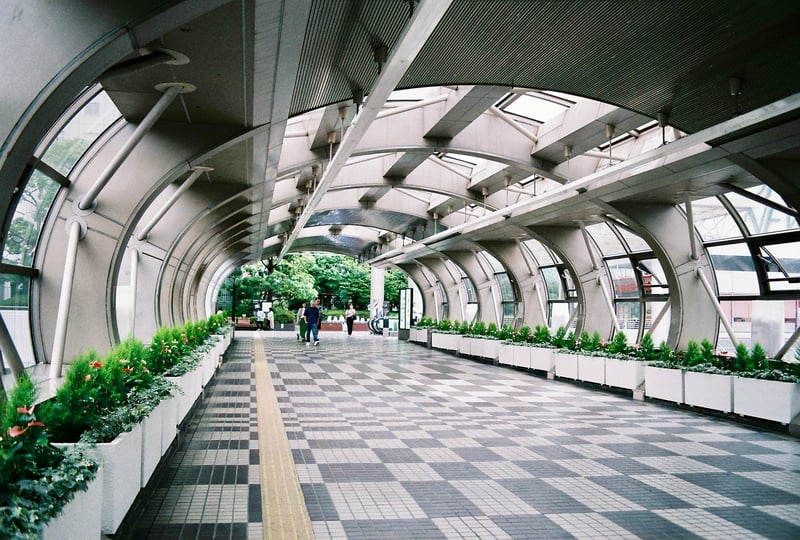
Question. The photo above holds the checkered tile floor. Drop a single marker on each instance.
(392, 440)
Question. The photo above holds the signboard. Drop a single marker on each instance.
(406, 297)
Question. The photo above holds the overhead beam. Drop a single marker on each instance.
(422, 24)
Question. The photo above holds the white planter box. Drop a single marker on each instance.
(209, 364)
(769, 400)
(591, 369)
(624, 373)
(505, 354)
(489, 348)
(190, 384)
(152, 427)
(81, 517)
(566, 365)
(542, 359)
(446, 342)
(522, 356)
(468, 346)
(708, 390)
(122, 473)
(418, 335)
(663, 383)
(169, 428)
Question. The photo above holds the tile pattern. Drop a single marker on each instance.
(210, 488)
(392, 440)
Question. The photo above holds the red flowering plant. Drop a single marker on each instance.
(36, 478)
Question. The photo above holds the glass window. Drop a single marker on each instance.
(80, 132)
(652, 310)
(496, 266)
(509, 312)
(712, 220)
(781, 264)
(542, 255)
(625, 284)
(29, 215)
(654, 281)
(472, 296)
(634, 241)
(443, 296)
(506, 288)
(14, 298)
(734, 269)
(759, 218)
(629, 318)
(605, 239)
(552, 279)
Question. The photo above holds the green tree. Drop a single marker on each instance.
(393, 281)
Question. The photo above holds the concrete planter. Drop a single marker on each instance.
(81, 517)
(769, 400)
(418, 335)
(445, 342)
(663, 383)
(169, 428)
(542, 359)
(505, 354)
(489, 349)
(523, 356)
(152, 427)
(122, 473)
(708, 390)
(469, 346)
(591, 369)
(566, 365)
(624, 373)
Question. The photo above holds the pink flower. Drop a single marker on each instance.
(16, 431)
(25, 410)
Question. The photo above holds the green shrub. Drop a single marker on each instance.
(741, 362)
(445, 325)
(707, 350)
(492, 330)
(665, 353)
(541, 335)
(506, 332)
(478, 329)
(559, 339)
(758, 357)
(693, 355)
(619, 345)
(647, 350)
(523, 335)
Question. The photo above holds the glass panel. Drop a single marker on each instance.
(734, 268)
(535, 108)
(651, 311)
(629, 317)
(782, 266)
(621, 272)
(759, 218)
(31, 211)
(606, 240)
(739, 313)
(713, 221)
(443, 296)
(542, 255)
(81, 131)
(768, 322)
(634, 241)
(495, 264)
(509, 312)
(14, 299)
(559, 314)
(553, 282)
(472, 296)
(506, 289)
(654, 281)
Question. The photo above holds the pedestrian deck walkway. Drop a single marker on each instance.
(378, 438)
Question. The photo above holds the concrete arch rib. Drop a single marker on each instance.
(568, 242)
(482, 281)
(664, 228)
(529, 283)
(426, 287)
(450, 286)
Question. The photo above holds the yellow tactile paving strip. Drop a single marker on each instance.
(282, 504)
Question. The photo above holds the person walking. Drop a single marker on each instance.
(300, 321)
(350, 317)
(270, 319)
(260, 319)
(311, 317)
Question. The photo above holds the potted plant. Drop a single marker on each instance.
(38, 481)
(764, 389)
(564, 357)
(663, 378)
(591, 364)
(627, 371)
(706, 382)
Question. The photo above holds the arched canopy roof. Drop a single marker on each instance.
(388, 130)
